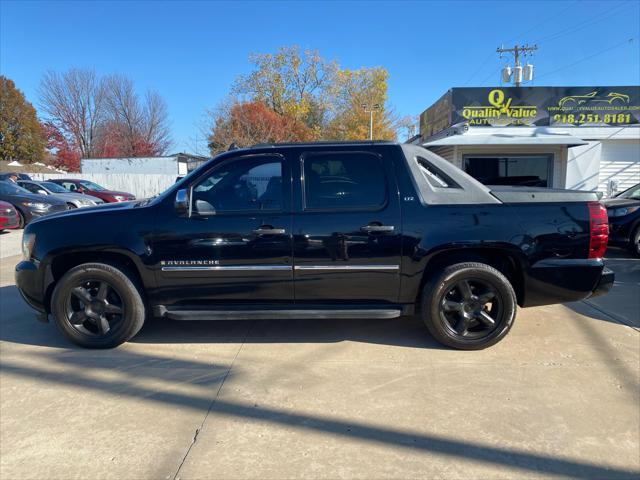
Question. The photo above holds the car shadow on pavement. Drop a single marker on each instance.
(18, 325)
(403, 331)
(203, 381)
(622, 304)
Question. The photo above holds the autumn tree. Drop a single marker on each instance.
(290, 82)
(351, 91)
(134, 127)
(249, 123)
(105, 116)
(316, 92)
(62, 151)
(75, 102)
(21, 137)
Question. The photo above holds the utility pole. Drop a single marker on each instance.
(518, 50)
(374, 107)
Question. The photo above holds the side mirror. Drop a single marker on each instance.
(42, 192)
(181, 202)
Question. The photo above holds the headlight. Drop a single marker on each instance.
(36, 205)
(119, 198)
(28, 241)
(621, 212)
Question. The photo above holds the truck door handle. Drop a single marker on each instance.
(269, 230)
(377, 228)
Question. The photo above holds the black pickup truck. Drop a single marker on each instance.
(355, 230)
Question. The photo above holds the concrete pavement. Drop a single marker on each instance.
(320, 399)
(10, 243)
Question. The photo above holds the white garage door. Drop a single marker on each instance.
(619, 161)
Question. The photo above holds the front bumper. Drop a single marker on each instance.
(566, 280)
(29, 285)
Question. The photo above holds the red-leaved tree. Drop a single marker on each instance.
(62, 151)
(245, 124)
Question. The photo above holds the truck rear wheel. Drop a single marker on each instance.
(97, 305)
(469, 306)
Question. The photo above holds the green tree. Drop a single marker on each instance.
(21, 136)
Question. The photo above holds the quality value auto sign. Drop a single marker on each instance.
(536, 106)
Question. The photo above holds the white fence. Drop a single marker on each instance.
(140, 184)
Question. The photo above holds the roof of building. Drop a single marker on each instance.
(506, 137)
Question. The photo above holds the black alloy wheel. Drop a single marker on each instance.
(94, 307)
(469, 306)
(98, 305)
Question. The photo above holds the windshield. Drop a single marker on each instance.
(92, 186)
(632, 193)
(54, 187)
(7, 188)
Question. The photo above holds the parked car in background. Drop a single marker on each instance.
(74, 200)
(89, 188)
(8, 217)
(28, 205)
(624, 219)
(21, 176)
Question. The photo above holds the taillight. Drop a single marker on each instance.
(598, 230)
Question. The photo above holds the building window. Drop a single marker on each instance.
(523, 170)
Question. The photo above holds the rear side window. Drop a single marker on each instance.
(435, 176)
(343, 180)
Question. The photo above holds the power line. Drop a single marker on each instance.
(629, 40)
(584, 23)
(484, 62)
(520, 35)
(555, 15)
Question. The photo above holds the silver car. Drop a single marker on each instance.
(74, 200)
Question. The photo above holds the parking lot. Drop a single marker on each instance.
(325, 398)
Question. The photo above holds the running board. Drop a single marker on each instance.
(162, 311)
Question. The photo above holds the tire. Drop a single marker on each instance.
(71, 205)
(460, 317)
(81, 318)
(634, 244)
(20, 219)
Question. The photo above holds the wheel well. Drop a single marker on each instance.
(505, 262)
(64, 263)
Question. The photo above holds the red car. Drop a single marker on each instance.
(93, 189)
(8, 216)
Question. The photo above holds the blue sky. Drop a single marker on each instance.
(190, 52)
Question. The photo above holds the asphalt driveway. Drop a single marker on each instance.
(323, 399)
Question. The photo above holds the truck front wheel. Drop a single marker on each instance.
(468, 306)
(97, 305)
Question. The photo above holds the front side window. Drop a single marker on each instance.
(32, 187)
(10, 188)
(633, 193)
(92, 186)
(53, 187)
(344, 180)
(247, 184)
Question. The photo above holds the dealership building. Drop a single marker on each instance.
(557, 137)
